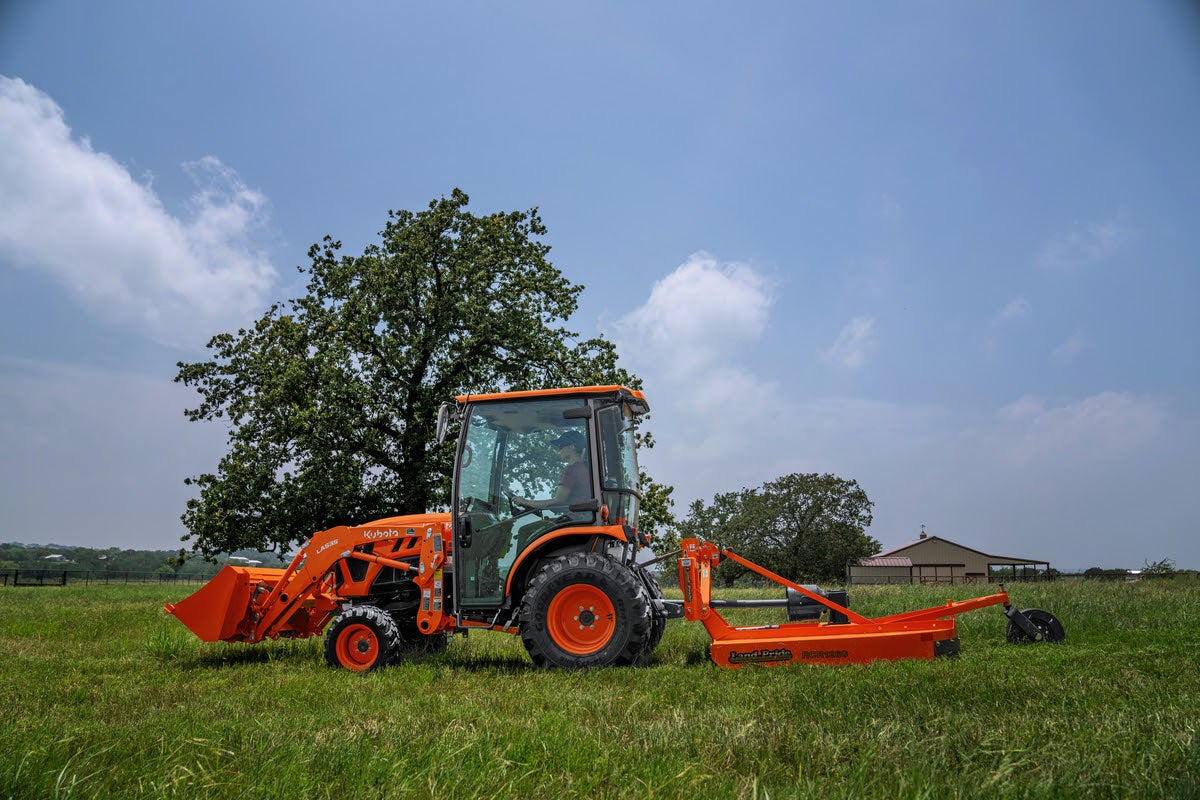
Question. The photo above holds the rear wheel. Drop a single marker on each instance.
(363, 638)
(585, 610)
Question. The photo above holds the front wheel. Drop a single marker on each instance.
(585, 610)
(363, 638)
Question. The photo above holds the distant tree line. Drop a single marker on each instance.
(1102, 574)
(112, 560)
(1163, 568)
(803, 526)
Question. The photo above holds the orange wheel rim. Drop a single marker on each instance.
(357, 647)
(581, 619)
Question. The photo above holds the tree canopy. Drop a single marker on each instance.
(332, 397)
(801, 526)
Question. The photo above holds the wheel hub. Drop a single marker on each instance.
(581, 619)
(357, 647)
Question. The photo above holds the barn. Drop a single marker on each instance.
(932, 559)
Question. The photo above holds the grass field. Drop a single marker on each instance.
(103, 695)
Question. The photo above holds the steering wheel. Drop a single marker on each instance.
(518, 510)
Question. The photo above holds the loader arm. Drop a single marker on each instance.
(304, 580)
(244, 604)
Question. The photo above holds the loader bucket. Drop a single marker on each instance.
(217, 610)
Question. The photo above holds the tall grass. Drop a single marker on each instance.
(104, 695)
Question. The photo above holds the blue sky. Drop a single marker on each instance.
(949, 250)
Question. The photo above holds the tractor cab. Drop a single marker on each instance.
(538, 474)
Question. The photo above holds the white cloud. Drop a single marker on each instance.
(697, 316)
(684, 342)
(1084, 245)
(1071, 347)
(1017, 308)
(1096, 427)
(79, 216)
(852, 345)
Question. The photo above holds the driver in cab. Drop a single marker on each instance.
(575, 485)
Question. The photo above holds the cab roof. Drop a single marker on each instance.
(565, 391)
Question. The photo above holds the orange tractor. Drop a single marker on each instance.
(543, 542)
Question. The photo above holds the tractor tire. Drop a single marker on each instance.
(362, 639)
(658, 619)
(585, 610)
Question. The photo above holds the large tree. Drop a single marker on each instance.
(801, 526)
(332, 397)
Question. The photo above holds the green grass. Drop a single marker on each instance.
(104, 695)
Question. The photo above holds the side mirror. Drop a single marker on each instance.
(443, 421)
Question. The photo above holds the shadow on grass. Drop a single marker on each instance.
(224, 655)
(493, 664)
(202, 655)
(181, 651)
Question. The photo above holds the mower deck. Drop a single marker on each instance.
(851, 638)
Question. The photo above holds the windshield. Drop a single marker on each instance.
(525, 449)
(618, 464)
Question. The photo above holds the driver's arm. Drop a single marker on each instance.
(560, 498)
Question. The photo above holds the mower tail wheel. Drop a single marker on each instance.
(1051, 629)
(585, 610)
(363, 638)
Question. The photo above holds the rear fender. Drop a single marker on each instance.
(553, 544)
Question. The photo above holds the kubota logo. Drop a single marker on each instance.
(760, 656)
(388, 534)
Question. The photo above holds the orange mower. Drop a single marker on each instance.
(561, 564)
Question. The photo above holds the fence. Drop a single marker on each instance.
(61, 577)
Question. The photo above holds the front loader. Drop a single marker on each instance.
(542, 542)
